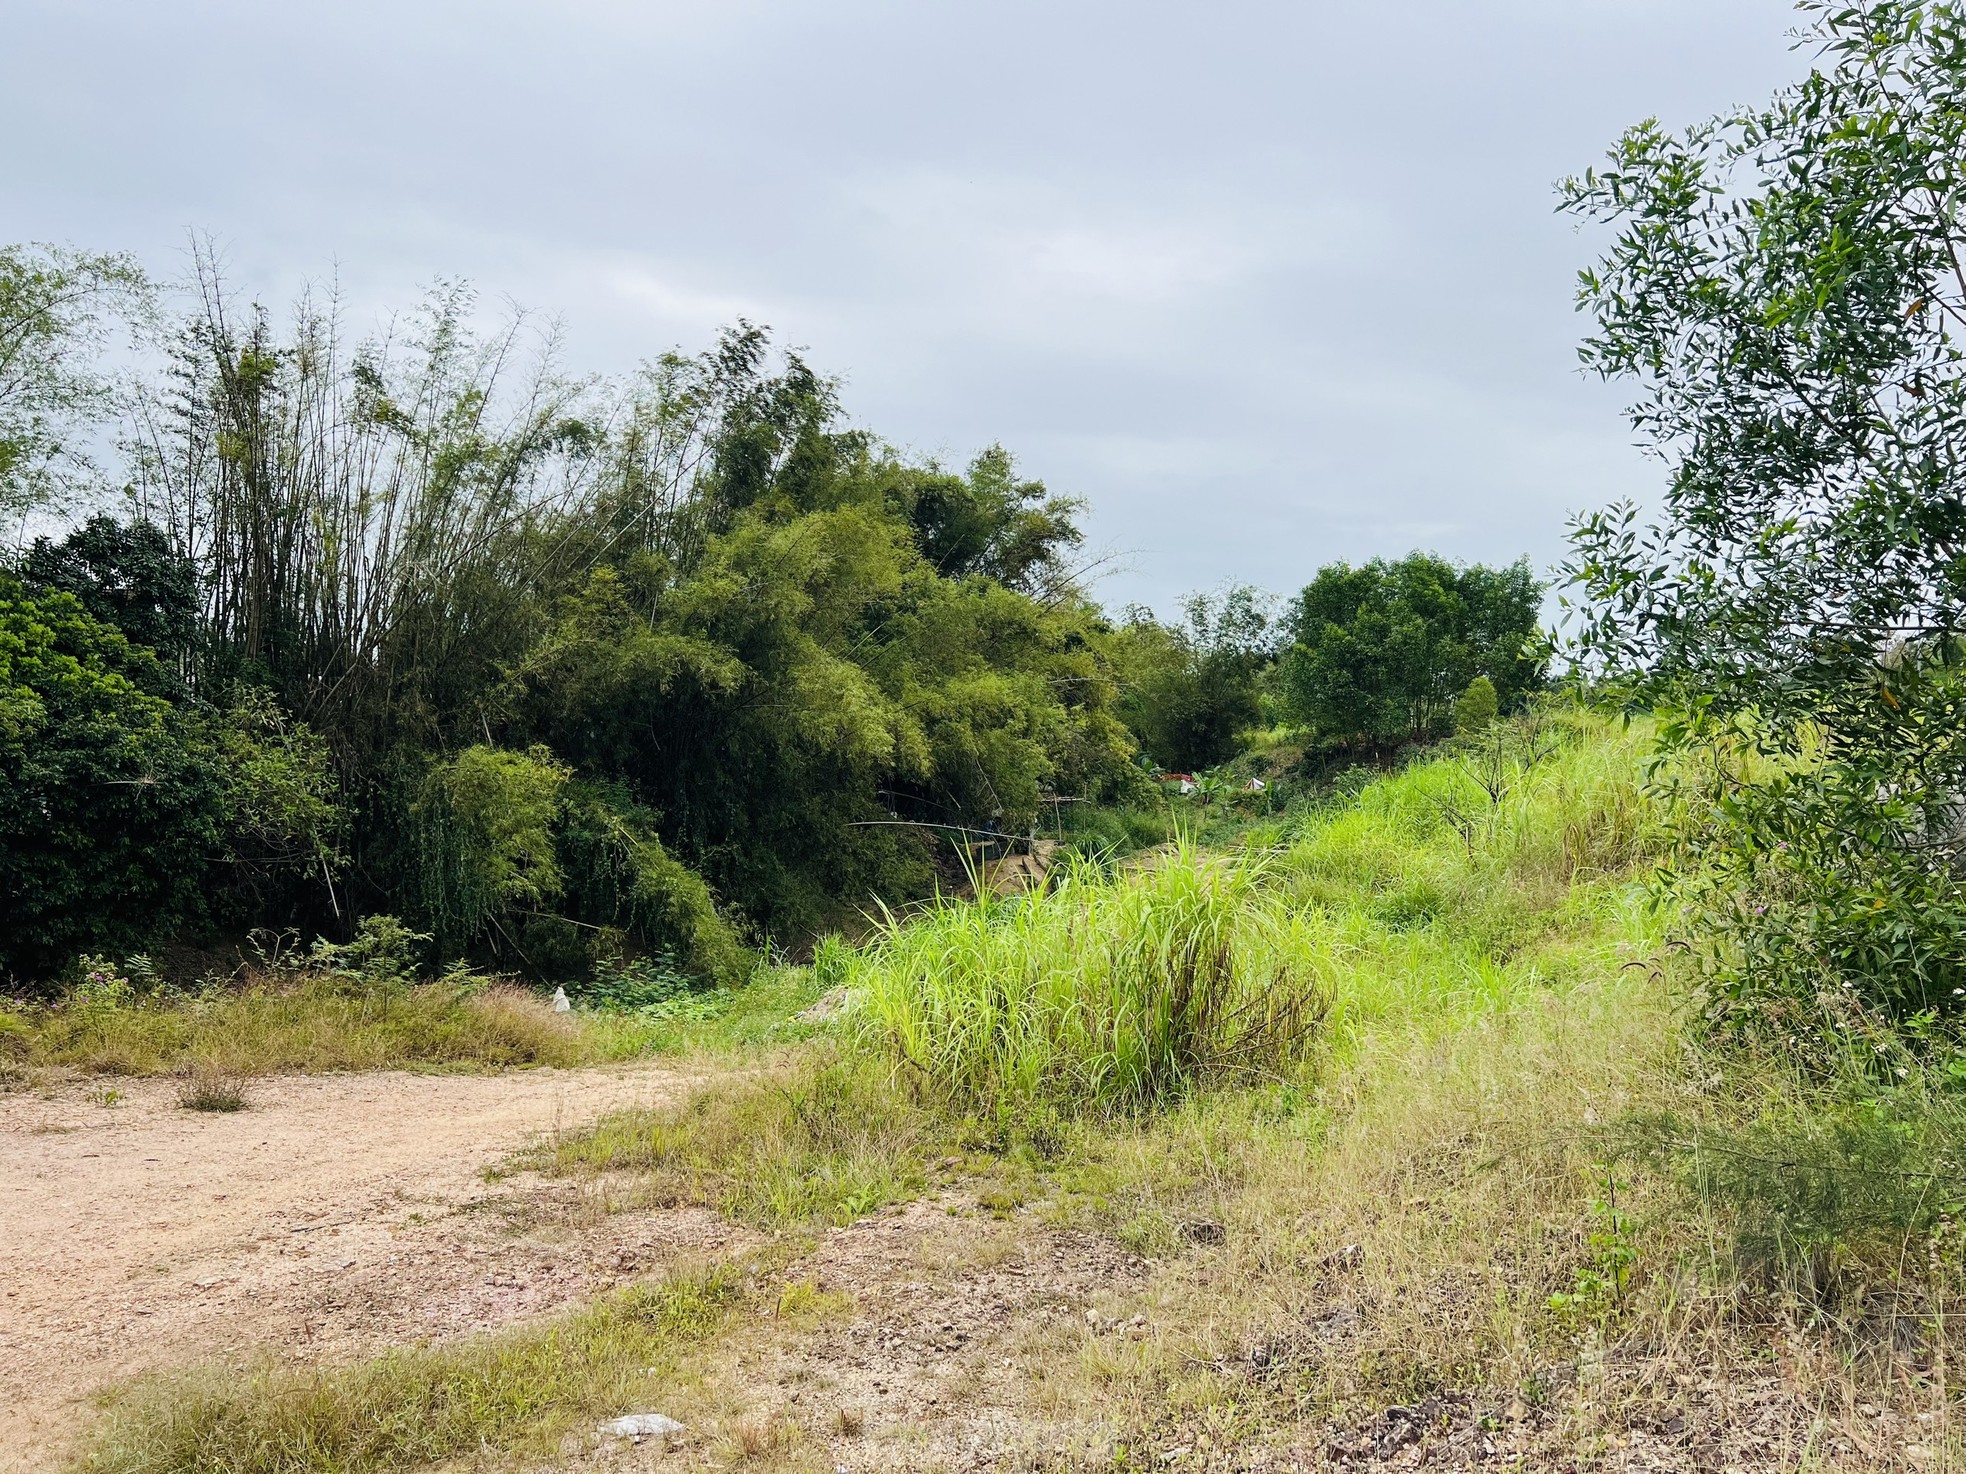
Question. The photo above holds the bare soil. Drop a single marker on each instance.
(954, 1348)
(341, 1214)
(334, 1214)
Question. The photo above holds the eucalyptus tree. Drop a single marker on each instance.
(56, 308)
(1787, 292)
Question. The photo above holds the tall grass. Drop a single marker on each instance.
(1109, 994)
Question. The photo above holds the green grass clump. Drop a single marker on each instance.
(522, 1389)
(1105, 994)
(318, 1024)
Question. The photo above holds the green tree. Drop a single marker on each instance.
(757, 652)
(286, 827)
(1189, 690)
(111, 809)
(1476, 707)
(126, 574)
(1785, 293)
(1379, 653)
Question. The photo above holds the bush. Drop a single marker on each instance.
(621, 876)
(485, 838)
(653, 988)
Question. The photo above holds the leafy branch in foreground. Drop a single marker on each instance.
(1788, 291)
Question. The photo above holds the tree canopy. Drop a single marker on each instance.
(1379, 653)
(1188, 690)
(549, 665)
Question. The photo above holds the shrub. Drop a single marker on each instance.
(620, 875)
(653, 988)
(1477, 706)
(484, 827)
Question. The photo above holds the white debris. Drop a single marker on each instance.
(561, 1003)
(642, 1425)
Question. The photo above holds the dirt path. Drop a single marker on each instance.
(338, 1210)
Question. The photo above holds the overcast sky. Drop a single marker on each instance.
(1268, 284)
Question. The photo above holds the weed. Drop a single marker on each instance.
(317, 1023)
(760, 1437)
(826, 1138)
(208, 1089)
(1598, 1287)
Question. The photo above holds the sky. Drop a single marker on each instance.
(1267, 283)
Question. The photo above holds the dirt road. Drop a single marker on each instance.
(337, 1211)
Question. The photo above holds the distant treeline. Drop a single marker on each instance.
(554, 667)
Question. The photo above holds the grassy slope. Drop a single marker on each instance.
(1430, 1195)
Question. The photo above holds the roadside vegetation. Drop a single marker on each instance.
(353, 1006)
(1457, 1060)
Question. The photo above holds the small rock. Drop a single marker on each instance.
(642, 1425)
(828, 1007)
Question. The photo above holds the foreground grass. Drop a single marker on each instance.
(1109, 995)
(524, 1389)
(320, 1024)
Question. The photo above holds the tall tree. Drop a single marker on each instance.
(1190, 689)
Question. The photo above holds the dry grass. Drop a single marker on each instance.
(207, 1089)
(315, 1025)
(524, 1389)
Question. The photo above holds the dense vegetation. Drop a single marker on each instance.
(563, 671)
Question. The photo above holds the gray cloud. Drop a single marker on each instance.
(1268, 283)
